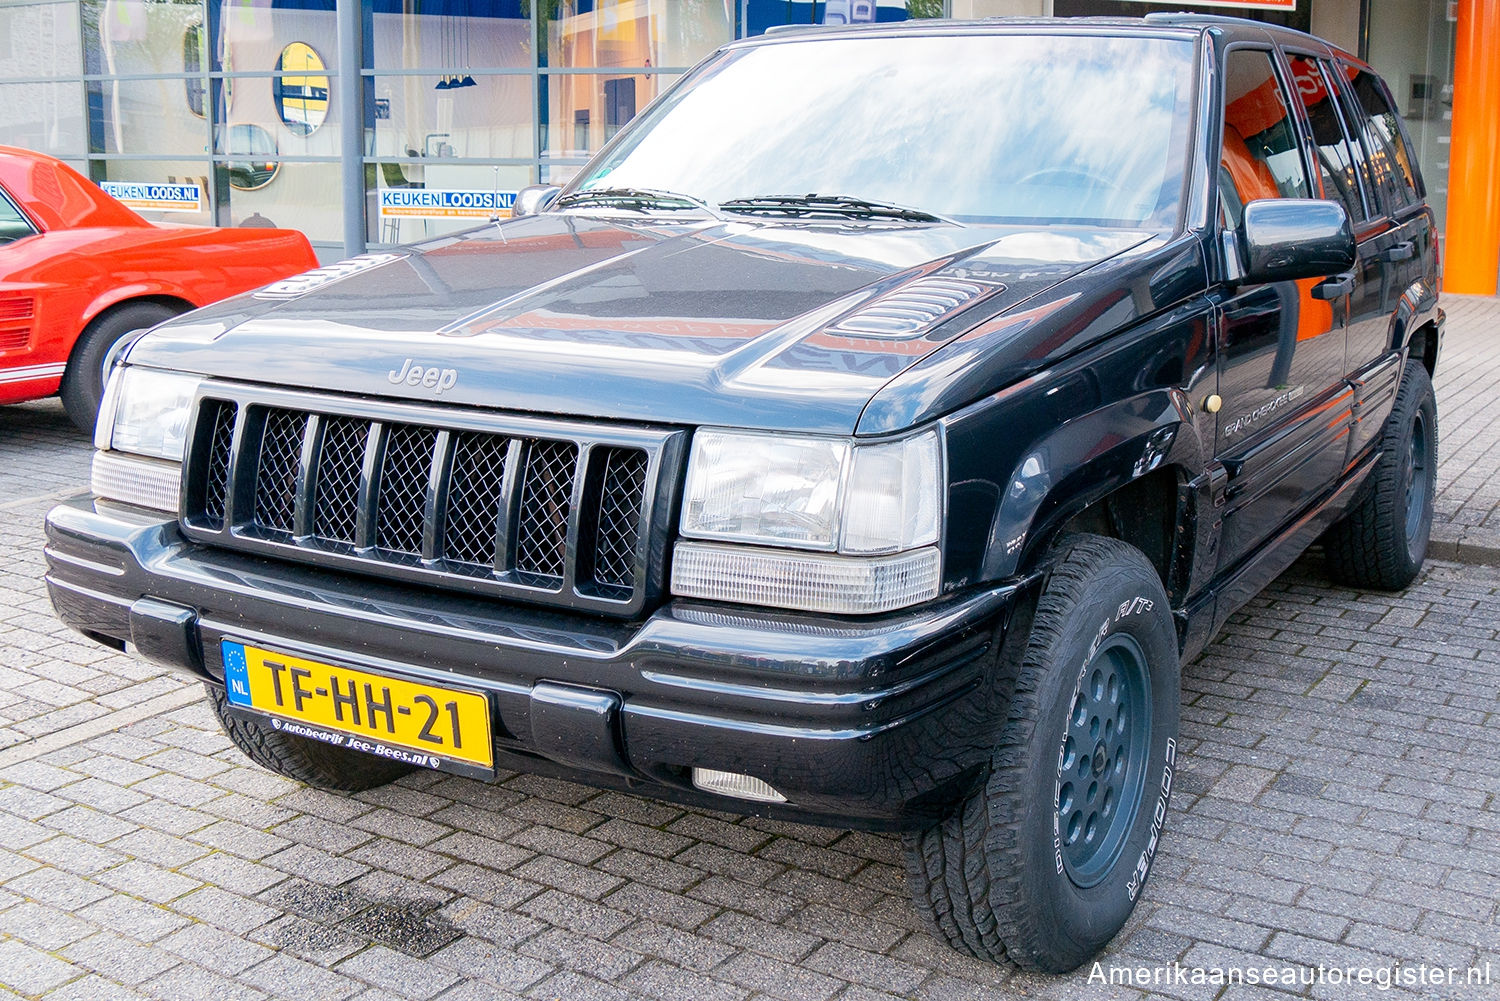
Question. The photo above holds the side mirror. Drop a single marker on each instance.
(532, 199)
(1289, 238)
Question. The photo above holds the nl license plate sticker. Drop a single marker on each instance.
(393, 718)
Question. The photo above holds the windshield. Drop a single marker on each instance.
(976, 128)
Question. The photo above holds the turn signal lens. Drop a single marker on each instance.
(131, 480)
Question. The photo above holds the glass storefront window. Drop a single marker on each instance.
(43, 116)
(150, 116)
(588, 34)
(296, 196)
(450, 34)
(585, 110)
(253, 34)
(489, 117)
(764, 14)
(408, 203)
(191, 173)
(42, 41)
(1412, 46)
(243, 94)
(256, 105)
(136, 37)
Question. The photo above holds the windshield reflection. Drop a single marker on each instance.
(978, 128)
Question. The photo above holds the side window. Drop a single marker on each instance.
(1336, 163)
(1391, 169)
(1261, 157)
(13, 225)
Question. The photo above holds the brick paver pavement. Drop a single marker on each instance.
(1466, 520)
(1338, 804)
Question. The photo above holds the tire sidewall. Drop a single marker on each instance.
(1081, 920)
(1418, 399)
(83, 381)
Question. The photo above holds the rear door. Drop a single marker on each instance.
(1285, 401)
(1395, 242)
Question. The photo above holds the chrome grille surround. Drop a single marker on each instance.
(544, 511)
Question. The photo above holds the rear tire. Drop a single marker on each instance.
(310, 762)
(1381, 542)
(83, 380)
(1045, 863)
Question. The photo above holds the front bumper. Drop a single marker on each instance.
(879, 723)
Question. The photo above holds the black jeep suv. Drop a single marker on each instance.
(863, 437)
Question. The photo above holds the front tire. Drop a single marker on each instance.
(310, 762)
(1381, 542)
(1045, 863)
(83, 379)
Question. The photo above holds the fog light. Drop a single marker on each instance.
(144, 482)
(736, 785)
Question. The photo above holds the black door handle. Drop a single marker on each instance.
(1403, 251)
(1334, 288)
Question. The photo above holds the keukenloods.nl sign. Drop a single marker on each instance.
(145, 197)
(438, 203)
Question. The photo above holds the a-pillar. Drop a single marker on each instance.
(1471, 254)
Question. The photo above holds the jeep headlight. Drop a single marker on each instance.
(837, 525)
(145, 412)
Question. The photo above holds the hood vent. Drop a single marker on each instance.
(300, 285)
(916, 308)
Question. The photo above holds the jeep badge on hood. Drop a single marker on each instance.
(413, 374)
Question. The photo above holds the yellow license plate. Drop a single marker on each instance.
(368, 712)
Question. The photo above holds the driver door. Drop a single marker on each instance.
(1281, 433)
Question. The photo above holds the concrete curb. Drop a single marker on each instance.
(1477, 546)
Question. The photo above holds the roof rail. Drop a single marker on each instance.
(1190, 17)
(791, 29)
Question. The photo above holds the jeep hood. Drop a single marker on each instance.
(785, 326)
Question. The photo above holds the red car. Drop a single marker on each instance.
(79, 270)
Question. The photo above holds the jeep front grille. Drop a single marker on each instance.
(548, 511)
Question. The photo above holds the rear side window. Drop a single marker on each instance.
(13, 225)
(1261, 157)
(1391, 168)
(1336, 162)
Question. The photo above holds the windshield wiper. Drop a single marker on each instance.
(839, 205)
(635, 199)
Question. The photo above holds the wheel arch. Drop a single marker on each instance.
(1416, 325)
(1123, 471)
(120, 298)
(1423, 346)
(100, 313)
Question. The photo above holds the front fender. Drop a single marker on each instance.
(1080, 462)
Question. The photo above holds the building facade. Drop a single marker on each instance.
(237, 112)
